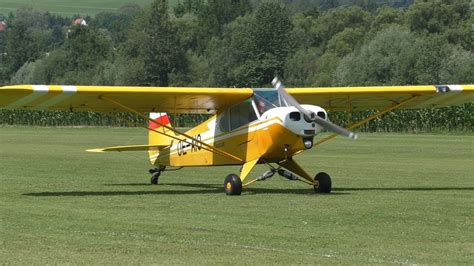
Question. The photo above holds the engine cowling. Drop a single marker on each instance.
(295, 121)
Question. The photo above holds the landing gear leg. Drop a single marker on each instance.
(155, 174)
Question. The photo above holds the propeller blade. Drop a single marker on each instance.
(335, 128)
(310, 115)
(288, 98)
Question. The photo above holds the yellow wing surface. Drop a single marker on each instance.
(382, 97)
(103, 98)
(209, 100)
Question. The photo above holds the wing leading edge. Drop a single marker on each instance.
(381, 97)
(142, 99)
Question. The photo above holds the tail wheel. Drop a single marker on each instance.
(323, 183)
(154, 178)
(233, 185)
(155, 174)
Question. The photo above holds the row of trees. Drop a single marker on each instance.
(240, 43)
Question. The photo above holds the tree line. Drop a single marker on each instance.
(242, 43)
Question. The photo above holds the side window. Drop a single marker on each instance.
(224, 122)
(242, 114)
(252, 116)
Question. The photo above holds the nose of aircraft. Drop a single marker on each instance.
(325, 123)
(299, 124)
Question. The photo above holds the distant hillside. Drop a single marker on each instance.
(71, 7)
(92, 7)
(397, 3)
(304, 5)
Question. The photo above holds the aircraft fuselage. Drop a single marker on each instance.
(277, 134)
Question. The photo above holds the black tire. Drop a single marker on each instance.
(233, 185)
(324, 183)
(155, 178)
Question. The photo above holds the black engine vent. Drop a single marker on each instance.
(322, 114)
(295, 116)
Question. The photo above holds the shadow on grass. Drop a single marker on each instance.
(404, 189)
(129, 185)
(339, 189)
(197, 189)
(218, 188)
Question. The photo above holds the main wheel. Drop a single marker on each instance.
(154, 178)
(233, 185)
(323, 183)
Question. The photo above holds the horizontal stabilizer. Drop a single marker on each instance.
(129, 148)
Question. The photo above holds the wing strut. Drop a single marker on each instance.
(391, 108)
(205, 146)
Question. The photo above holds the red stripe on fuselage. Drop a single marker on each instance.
(164, 120)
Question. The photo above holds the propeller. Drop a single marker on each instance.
(311, 116)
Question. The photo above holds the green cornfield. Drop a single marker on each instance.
(62, 118)
(447, 119)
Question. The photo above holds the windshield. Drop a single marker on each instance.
(266, 99)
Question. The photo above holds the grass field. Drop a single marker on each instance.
(71, 7)
(396, 199)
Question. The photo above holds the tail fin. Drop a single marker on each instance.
(155, 138)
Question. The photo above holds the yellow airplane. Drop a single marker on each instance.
(250, 125)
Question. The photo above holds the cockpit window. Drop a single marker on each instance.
(224, 122)
(237, 116)
(242, 114)
(266, 99)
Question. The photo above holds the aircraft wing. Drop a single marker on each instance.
(104, 98)
(209, 100)
(382, 97)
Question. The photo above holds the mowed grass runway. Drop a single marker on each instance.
(397, 198)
